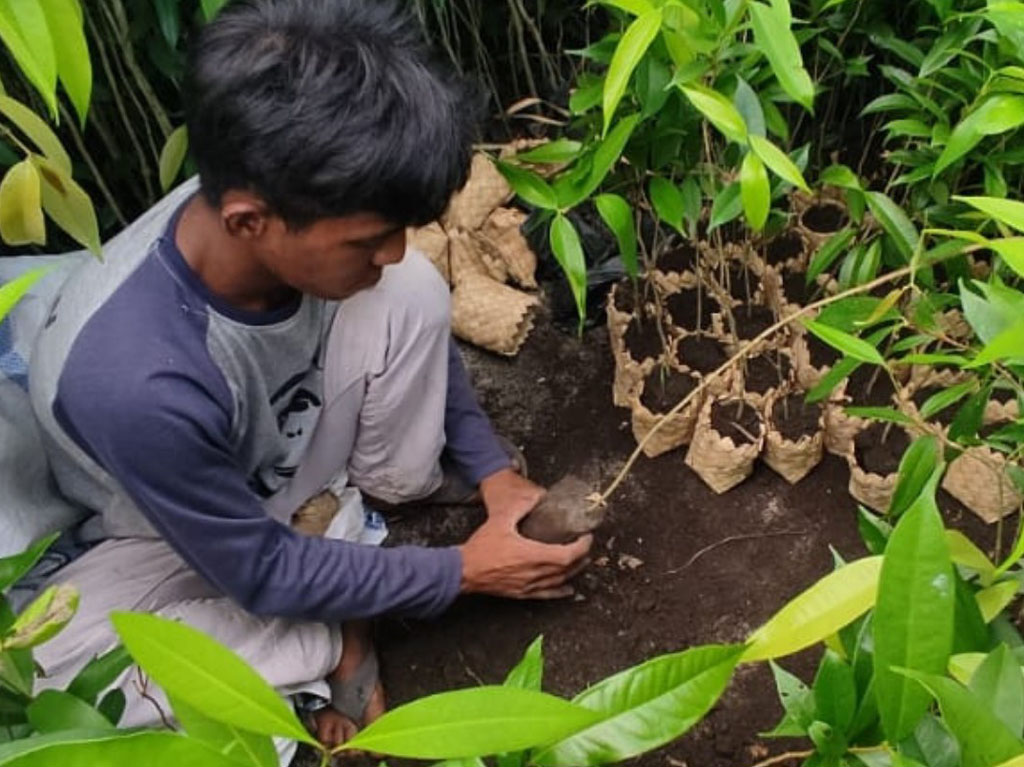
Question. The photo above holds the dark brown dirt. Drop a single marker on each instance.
(821, 353)
(751, 321)
(879, 447)
(737, 420)
(945, 416)
(795, 418)
(682, 307)
(796, 289)
(784, 247)
(765, 371)
(664, 388)
(825, 217)
(1003, 395)
(701, 353)
(625, 296)
(869, 385)
(742, 282)
(681, 259)
(553, 400)
(642, 340)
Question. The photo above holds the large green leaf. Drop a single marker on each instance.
(528, 185)
(110, 748)
(1011, 250)
(65, 22)
(645, 706)
(204, 674)
(13, 567)
(917, 467)
(775, 39)
(913, 620)
(778, 161)
(24, 31)
(895, 222)
(474, 722)
(668, 203)
(68, 204)
(618, 215)
(243, 747)
(528, 673)
(850, 345)
(984, 740)
(755, 191)
(997, 114)
(819, 612)
(718, 110)
(1009, 212)
(55, 710)
(631, 48)
(565, 244)
(998, 682)
(37, 131)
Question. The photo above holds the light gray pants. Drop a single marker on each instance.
(382, 430)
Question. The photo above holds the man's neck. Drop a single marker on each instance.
(229, 269)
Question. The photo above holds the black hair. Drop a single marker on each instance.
(325, 108)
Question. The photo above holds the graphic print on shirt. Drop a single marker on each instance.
(297, 405)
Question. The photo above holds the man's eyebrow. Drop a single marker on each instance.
(376, 237)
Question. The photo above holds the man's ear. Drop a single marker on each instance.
(244, 215)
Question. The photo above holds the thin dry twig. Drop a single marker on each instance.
(731, 539)
(141, 684)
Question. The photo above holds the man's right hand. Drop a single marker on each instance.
(497, 560)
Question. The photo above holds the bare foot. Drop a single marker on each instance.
(332, 727)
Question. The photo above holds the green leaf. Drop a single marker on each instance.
(834, 247)
(631, 48)
(1015, 555)
(13, 567)
(874, 531)
(1011, 250)
(775, 39)
(998, 682)
(167, 15)
(963, 552)
(889, 414)
(850, 345)
(68, 205)
(474, 722)
(833, 602)
(749, 106)
(172, 157)
(994, 599)
(997, 114)
(528, 674)
(618, 215)
(17, 671)
(913, 619)
(992, 313)
(668, 202)
(946, 398)
(24, 31)
(726, 206)
(43, 618)
(895, 222)
(99, 673)
(204, 674)
(692, 203)
(37, 131)
(112, 705)
(778, 161)
(917, 467)
(211, 8)
(565, 244)
(835, 693)
(1007, 345)
(244, 748)
(64, 19)
(21, 213)
(841, 176)
(797, 701)
(100, 748)
(529, 185)
(552, 152)
(755, 191)
(605, 156)
(645, 707)
(1009, 212)
(54, 710)
(984, 740)
(718, 110)
(635, 7)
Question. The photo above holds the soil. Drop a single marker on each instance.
(743, 283)
(625, 297)
(867, 392)
(737, 420)
(751, 321)
(682, 307)
(879, 447)
(822, 354)
(664, 388)
(945, 416)
(784, 247)
(681, 259)
(795, 418)
(675, 564)
(824, 217)
(701, 353)
(642, 340)
(765, 371)
(796, 289)
(1003, 395)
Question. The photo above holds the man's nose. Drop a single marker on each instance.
(392, 251)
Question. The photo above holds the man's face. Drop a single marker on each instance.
(332, 258)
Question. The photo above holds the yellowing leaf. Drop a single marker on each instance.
(21, 217)
(172, 156)
(44, 618)
(835, 601)
(68, 204)
(963, 552)
(994, 599)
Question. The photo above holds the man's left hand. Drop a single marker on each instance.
(507, 494)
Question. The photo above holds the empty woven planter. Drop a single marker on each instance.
(492, 315)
